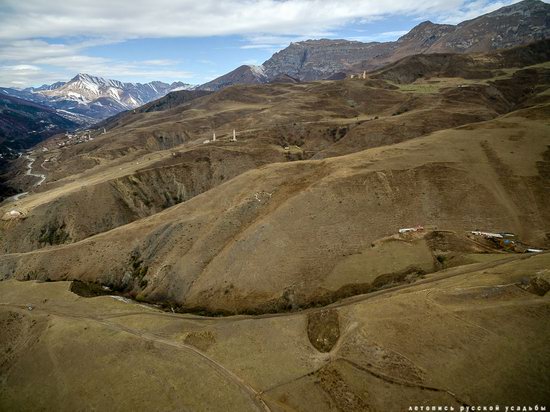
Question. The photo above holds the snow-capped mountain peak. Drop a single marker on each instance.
(257, 70)
(90, 81)
(93, 97)
(87, 89)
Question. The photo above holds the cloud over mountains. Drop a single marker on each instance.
(41, 40)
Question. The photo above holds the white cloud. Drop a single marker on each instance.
(21, 67)
(263, 24)
(29, 57)
(380, 37)
(472, 10)
(189, 18)
(397, 33)
(251, 62)
(25, 75)
(159, 62)
(274, 43)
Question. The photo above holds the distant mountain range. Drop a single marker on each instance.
(510, 26)
(87, 99)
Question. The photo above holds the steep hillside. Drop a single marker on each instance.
(319, 59)
(24, 123)
(304, 232)
(509, 26)
(150, 160)
(359, 227)
(170, 101)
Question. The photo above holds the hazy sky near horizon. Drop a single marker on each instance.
(42, 41)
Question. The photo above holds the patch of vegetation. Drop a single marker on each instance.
(290, 301)
(32, 275)
(147, 202)
(89, 289)
(420, 88)
(441, 259)
(337, 132)
(138, 269)
(53, 234)
(323, 329)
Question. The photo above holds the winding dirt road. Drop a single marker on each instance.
(29, 172)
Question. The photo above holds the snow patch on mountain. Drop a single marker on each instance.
(92, 97)
(257, 70)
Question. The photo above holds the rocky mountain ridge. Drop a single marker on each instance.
(519, 24)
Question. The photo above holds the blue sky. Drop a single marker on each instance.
(190, 41)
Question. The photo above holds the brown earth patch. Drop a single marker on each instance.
(343, 397)
(201, 340)
(17, 334)
(323, 329)
(536, 285)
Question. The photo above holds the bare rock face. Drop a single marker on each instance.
(515, 25)
(421, 38)
(318, 59)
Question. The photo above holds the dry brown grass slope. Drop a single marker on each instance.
(131, 178)
(466, 66)
(136, 154)
(475, 338)
(272, 237)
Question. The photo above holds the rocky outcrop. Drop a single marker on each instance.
(515, 25)
(318, 59)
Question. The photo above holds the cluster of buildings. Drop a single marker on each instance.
(411, 229)
(506, 241)
(76, 138)
(502, 240)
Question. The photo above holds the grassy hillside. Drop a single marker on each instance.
(469, 337)
(273, 236)
(148, 161)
